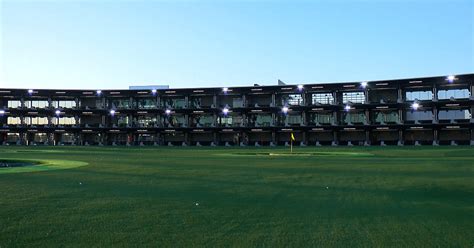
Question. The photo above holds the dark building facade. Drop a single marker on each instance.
(416, 111)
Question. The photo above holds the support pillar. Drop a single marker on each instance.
(435, 137)
(334, 118)
(435, 115)
(400, 96)
(435, 93)
(400, 137)
(334, 138)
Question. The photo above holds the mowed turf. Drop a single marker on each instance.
(187, 197)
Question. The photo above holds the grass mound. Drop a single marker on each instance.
(32, 165)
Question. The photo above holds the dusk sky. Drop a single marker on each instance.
(115, 44)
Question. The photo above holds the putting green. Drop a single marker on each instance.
(31, 165)
(359, 154)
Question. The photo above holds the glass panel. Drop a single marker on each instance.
(456, 94)
(354, 97)
(322, 98)
(419, 95)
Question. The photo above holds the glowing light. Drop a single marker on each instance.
(285, 109)
(347, 108)
(168, 111)
(415, 106)
(153, 91)
(300, 87)
(99, 92)
(225, 111)
(225, 89)
(451, 78)
(30, 92)
(2, 112)
(363, 84)
(57, 112)
(112, 112)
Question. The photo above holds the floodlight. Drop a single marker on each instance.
(451, 78)
(225, 89)
(112, 112)
(415, 106)
(168, 111)
(347, 107)
(2, 112)
(99, 92)
(153, 91)
(57, 112)
(30, 92)
(300, 87)
(363, 84)
(225, 111)
(285, 109)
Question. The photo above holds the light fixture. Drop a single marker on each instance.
(451, 78)
(99, 92)
(285, 109)
(168, 111)
(30, 92)
(300, 87)
(153, 91)
(225, 89)
(112, 112)
(2, 112)
(363, 84)
(347, 107)
(225, 111)
(57, 112)
(415, 106)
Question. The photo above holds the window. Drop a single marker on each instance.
(40, 137)
(13, 120)
(121, 103)
(146, 121)
(237, 102)
(456, 94)
(36, 121)
(354, 118)
(146, 103)
(66, 121)
(36, 104)
(419, 115)
(13, 137)
(322, 98)
(419, 95)
(386, 117)
(14, 104)
(353, 97)
(226, 121)
(294, 119)
(64, 104)
(293, 99)
(264, 120)
(322, 118)
(454, 114)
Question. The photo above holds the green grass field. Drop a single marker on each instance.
(187, 197)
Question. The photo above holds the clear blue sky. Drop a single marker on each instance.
(114, 44)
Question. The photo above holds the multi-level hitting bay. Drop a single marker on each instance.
(425, 111)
